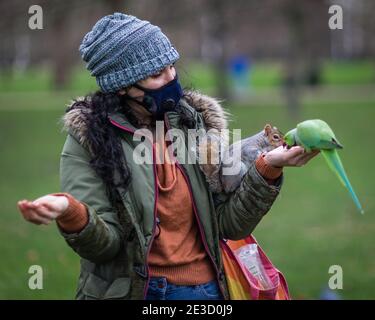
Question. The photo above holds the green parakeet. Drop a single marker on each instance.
(316, 134)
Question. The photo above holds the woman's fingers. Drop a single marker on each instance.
(38, 219)
(29, 204)
(33, 217)
(293, 155)
(306, 157)
(297, 156)
(50, 207)
(53, 203)
(281, 156)
(44, 212)
(25, 206)
(295, 151)
(34, 213)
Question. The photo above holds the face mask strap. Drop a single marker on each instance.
(136, 85)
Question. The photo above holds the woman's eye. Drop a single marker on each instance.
(156, 75)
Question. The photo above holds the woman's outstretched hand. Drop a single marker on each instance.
(293, 157)
(44, 209)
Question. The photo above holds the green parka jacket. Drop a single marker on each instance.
(115, 243)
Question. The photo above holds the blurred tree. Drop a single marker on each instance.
(216, 14)
(293, 14)
(115, 5)
(60, 57)
(63, 59)
(295, 32)
(306, 23)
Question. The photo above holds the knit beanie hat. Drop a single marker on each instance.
(121, 50)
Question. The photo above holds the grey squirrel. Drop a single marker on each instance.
(266, 140)
(237, 158)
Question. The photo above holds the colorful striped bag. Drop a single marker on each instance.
(249, 273)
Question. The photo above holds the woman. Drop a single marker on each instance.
(147, 230)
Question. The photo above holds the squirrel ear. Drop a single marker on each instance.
(267, 129)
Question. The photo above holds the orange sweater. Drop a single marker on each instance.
(177, 252)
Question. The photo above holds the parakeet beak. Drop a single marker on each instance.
(285, 145)
(283, 141)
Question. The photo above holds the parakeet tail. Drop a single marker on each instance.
(336, 166)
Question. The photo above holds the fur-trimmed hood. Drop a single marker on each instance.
(215, 117)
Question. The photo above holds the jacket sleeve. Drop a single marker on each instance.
(241, 211)
(100, 239)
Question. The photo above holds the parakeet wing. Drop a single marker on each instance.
(316, 134)
(308, 134)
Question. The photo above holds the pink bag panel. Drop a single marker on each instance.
(276, 277)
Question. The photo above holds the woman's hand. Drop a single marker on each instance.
(293, 157)
(44, 209)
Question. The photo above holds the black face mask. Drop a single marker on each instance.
(161, 100)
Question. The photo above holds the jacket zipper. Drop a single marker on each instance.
(187, 180)
(155, 208)
(156, 191)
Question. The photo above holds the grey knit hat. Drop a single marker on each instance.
(121, 50)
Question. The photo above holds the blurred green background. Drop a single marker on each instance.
(312, 225)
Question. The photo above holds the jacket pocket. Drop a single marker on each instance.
(97, 288)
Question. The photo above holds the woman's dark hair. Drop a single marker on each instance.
(104, 138)
(107, 156)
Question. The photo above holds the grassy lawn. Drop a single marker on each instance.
(30, 143)
(269, 74)
(199, 75)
